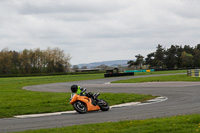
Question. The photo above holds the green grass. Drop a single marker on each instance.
(182, 77)
(124, 98)
(175, 124)
(15, 101)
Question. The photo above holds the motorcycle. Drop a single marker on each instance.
(88, 102)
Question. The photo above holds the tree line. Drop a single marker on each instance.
(31, 61)
(175, 57)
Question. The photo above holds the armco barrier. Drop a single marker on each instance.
(193, 72)
(118, 74)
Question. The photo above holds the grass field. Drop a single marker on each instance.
(175, 124)
(182, 77)
(15, 101)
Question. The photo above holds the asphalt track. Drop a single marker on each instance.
(183, 98)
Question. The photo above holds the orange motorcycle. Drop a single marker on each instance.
(88, 102)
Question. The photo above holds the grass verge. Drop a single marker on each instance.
(176, 124)
(182, 77)
(15, 101)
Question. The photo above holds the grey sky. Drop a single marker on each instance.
(99, 30)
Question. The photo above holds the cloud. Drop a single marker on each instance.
(62, 6)
(99, 30)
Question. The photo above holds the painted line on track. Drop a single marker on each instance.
(152, 101)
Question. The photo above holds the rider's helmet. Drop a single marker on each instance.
(74, 88)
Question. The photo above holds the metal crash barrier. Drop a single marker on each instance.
(193, 73)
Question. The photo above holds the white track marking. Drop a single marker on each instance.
(156, 100)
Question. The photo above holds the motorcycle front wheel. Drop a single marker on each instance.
(80, 107)
(103, 105)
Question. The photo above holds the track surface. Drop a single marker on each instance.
(183, 98)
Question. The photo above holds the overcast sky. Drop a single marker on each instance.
(99, 30)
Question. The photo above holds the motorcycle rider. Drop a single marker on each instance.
(77, 89)
(82, 91)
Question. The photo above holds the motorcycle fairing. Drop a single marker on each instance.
(86, 100)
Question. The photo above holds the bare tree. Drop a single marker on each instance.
(75, 67)
(34, 61)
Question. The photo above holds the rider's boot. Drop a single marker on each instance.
(93, 101)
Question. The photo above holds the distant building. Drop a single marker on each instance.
(89, 70)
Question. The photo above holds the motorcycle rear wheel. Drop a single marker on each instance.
(80, 107)
(103, 105)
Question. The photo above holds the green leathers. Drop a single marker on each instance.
(76, 89)
(79, 90)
